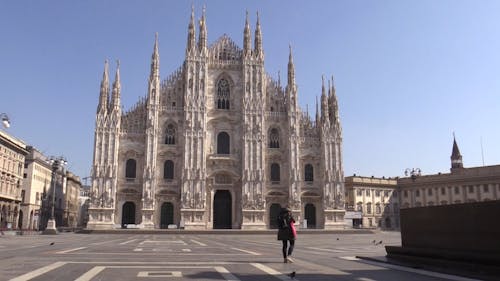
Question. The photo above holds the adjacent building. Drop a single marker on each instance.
(219, 143)
(461, 185)
(12, 155)
(71, 200)
(372, 202)
(36, 183)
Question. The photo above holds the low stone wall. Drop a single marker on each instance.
(461, 232)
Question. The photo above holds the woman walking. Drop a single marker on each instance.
(286, 233)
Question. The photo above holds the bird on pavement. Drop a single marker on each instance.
(292, 275)
(52, 243)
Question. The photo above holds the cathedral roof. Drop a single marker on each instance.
(225, 49)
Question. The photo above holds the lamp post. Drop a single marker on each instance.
(56, 163)
(413, 173)
(5, 120)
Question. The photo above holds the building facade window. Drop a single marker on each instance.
(130, 169)
(471, 189)
(168, 170)
(309, 172)
(170, 134)
(457, 190)
(378, 209)
(359, 192)
(274, 138)
(367, 192)
(369, 208)
(429, 191)
(275, 172)
(443, 191)
(223, 94)
(417, 193)
(486, 188)
(223, 143)
(377, 193)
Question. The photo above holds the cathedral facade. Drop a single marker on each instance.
(217, 144)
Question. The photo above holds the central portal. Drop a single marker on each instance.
(222, 209)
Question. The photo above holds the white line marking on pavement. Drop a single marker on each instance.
(273, 272)
(365, 279)
(38, 272)
(138, 250)
(228, 276)
(418, 271)
(246, 251)
(197, 242)
(91, 273)
(186, 250)
(159, 274)
(129, 241)
(70, 250)
(350, 258)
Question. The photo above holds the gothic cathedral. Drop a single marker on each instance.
(217, 144)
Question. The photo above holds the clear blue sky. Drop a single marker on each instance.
(408, 73)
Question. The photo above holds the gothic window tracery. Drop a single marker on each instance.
(275, 172)
(274, 139)
(170, 134)
(168, 170)
(223, 143)
(309, 172)
(130, 169)
(223, 94)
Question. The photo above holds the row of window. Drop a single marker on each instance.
(456, 190)
(376, 192)
(223, 139)
(168, 171)
(378, 208)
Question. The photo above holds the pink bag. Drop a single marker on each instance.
(294, 231)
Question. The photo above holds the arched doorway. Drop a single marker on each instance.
(388, 224)
(274, 212)
(128, 214)
(20, 222)
(167, 214)
(310, 215)
(222, 209)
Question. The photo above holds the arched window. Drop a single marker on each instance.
(275, 172)
(168, 170)
(309, 172)
(378, 209)
(130, 169)
(274, 138)
(369, 208)
(223, 94)
(222, 143)
(170, 134)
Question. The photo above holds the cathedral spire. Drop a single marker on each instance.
(115, 101)
(104, 92)
(291, 69)
(247, 40)
(317, 112)
(324, 102)
(202, 39)
(333, 103)
(456, 157)
(155, 59)
(258, 39)
(191, 41)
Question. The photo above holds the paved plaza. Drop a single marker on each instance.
(174, 256)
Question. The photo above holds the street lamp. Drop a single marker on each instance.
(56, 163)
(413, 173)
(5, 120)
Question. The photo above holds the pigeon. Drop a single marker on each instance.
(52, 243)
(337, 239)
(292, 275)
(379, 242)
(374, 241)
